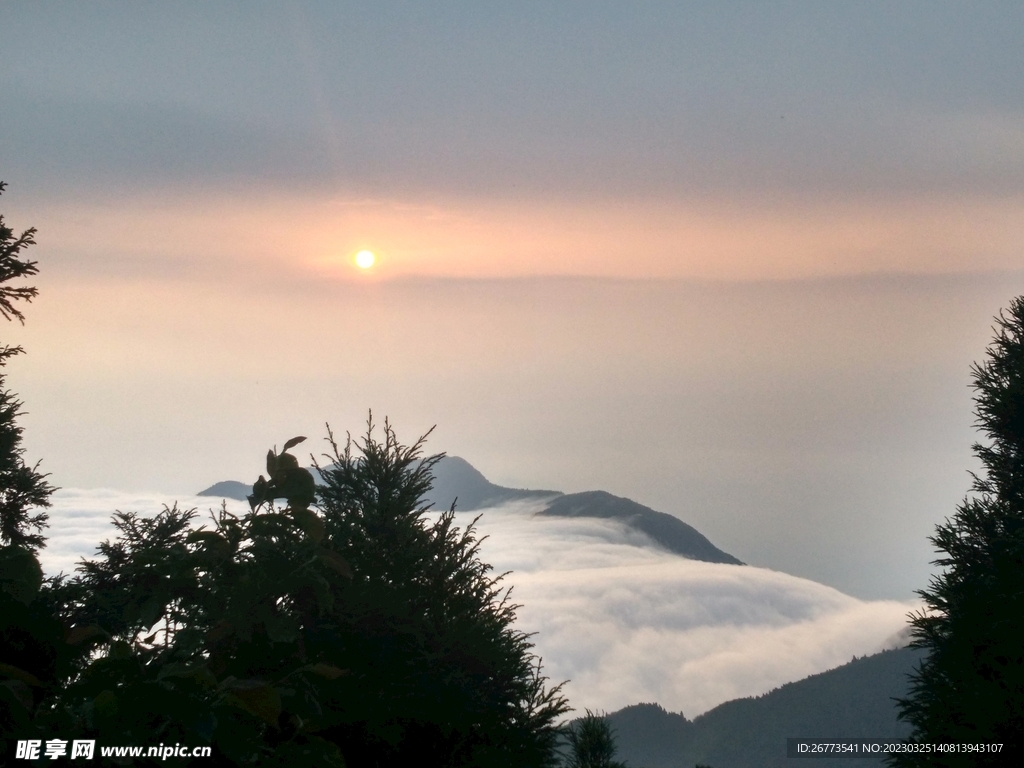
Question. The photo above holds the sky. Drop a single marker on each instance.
(731, 260)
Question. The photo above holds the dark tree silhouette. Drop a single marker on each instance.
(352, 631)
(437, 667)
(591, 743)
(23, 490)
(970, 688)
(11, 267)
(209, 635)
(31, 642)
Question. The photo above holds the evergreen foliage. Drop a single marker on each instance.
(12, 267)
(355, 632)
(970, 687)
(31, 643)
(23, 490)
(437, 667)
(592, 743)
(205, 635)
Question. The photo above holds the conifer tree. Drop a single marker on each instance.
(31, 642)
(970, 688)
(437, 667)
(23, 490)
(592, 743)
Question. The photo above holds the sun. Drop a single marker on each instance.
(365, 259)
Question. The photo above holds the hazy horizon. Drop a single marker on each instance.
(820, 428)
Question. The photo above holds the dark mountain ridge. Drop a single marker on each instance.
(457, 481)
(228, 489)
(855, 700)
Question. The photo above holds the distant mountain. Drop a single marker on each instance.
(455, 478)
(670, 532)
(228, 489)
(851, 701)
(457, 481)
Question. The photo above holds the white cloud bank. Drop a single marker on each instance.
(621, 619)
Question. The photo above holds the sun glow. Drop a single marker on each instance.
(365, 259)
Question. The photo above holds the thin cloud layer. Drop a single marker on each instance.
(619, 618)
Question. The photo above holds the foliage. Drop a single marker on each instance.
(355, 633)
(32, 651)
(592, 743)
(207, 635)
(11, 268)
(22, 489)
(428, 633)
(970, 688)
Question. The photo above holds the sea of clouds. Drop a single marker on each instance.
(619, 618)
